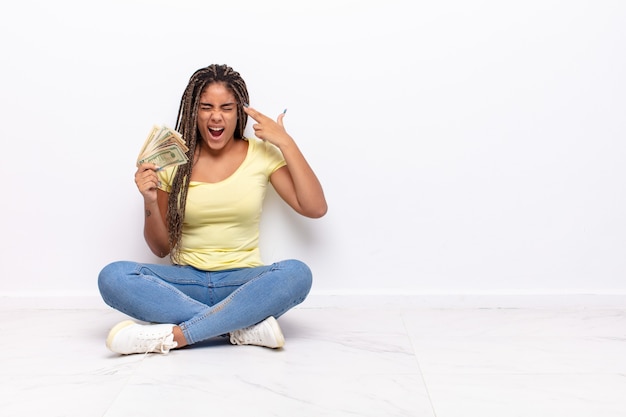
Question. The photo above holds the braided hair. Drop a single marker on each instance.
(186, 125)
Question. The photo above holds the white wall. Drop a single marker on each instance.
(464, 146)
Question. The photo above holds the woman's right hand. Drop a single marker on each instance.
(147, 181)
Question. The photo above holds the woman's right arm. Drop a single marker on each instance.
(155, 210)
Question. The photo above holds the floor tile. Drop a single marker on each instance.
(538, 395)
(337, 361)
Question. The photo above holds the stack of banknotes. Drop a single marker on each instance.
(163, 147)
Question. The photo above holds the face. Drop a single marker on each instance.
(217, 116)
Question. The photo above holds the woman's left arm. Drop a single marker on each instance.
(296, 183)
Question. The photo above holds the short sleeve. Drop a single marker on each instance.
(274, 158)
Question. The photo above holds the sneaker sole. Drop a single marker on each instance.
(280, 339)
(115, 330)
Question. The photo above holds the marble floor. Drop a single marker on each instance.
(337, 361)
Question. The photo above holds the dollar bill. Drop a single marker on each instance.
(165, 157)
(164, 147)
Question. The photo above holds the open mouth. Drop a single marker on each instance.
(216, 132)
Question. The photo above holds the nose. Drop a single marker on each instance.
(216, 115)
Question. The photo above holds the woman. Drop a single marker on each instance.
(205, 214)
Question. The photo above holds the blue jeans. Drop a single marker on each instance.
(204, 304)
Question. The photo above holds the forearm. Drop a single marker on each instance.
(308, 190)
(155, 231)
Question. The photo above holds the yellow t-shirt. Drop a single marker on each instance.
(221, 226)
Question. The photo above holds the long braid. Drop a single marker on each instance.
(186, 125)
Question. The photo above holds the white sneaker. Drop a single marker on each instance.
(129, 337)
(266, 333)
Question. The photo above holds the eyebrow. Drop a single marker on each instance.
(223, 105)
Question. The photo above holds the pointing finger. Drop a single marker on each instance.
(253, 113)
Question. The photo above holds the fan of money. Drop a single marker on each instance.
(163, 147)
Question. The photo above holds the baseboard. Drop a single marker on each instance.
(467, 300)
(366, 299)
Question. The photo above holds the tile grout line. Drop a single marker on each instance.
(417, 362)
(135, 365)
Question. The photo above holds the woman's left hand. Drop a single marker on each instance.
(266, 129)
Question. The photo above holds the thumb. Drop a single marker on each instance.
(281, 117)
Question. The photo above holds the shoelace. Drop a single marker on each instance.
(163, 344)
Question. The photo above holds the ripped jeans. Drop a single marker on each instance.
(204, 304)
